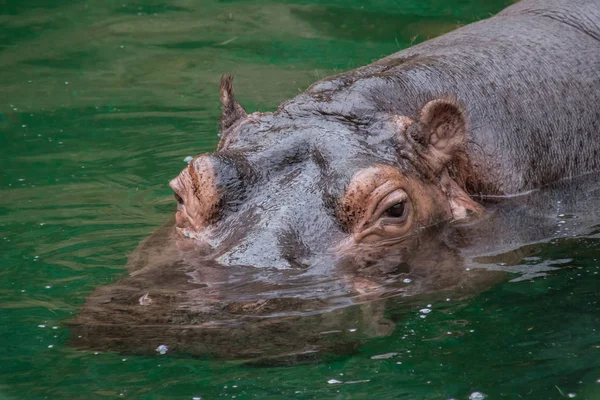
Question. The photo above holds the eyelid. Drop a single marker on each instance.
(390, 199)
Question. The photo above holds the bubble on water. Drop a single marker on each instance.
(55, 327)
(467, 269)
(425, 310)
(96, 353)
(334, 381)
(477, 396)
(571, 395)
(41, 326)
(188, 159)
(48, 286)
(124, 359)
(196, 398)
(352, 330)
(50, 346)
(423, 316)
(406, 280)
(162, 349)
(448, 299)
(383, 356)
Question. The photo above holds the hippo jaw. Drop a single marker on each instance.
(310, 185)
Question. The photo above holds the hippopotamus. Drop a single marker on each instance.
(374, 155)
(369, 185)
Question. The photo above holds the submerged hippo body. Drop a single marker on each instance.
(373, 155)
(339, 197)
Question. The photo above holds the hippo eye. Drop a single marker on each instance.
(392, 209)
(396, 211)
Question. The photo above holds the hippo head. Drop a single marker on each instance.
(329, 174)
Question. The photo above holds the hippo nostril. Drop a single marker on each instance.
(178, 198)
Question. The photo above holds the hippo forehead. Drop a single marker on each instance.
(337, 145)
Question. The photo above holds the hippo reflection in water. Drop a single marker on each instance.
(360, 188)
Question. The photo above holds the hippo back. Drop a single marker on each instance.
(529, 79)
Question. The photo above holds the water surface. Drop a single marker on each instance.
(101, 102)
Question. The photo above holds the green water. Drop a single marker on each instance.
(100, 101)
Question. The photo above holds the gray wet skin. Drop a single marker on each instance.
(371, 156)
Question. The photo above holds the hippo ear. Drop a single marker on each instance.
(441, 131)
(231, 110)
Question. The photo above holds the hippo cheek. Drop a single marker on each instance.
(431, 204)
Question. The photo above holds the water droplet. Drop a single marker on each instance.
(334, 381)
(145, 300)
(425, 310)
(48, 286)
(571, 395)
(383, 356)
(406, 280)
(55, 327)
(162, 349)
(41, 326)
(477, 396)
(188, 159)
(352, 330)
(50, 346)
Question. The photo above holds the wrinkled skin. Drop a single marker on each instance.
(369, 178)
(370, 157)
